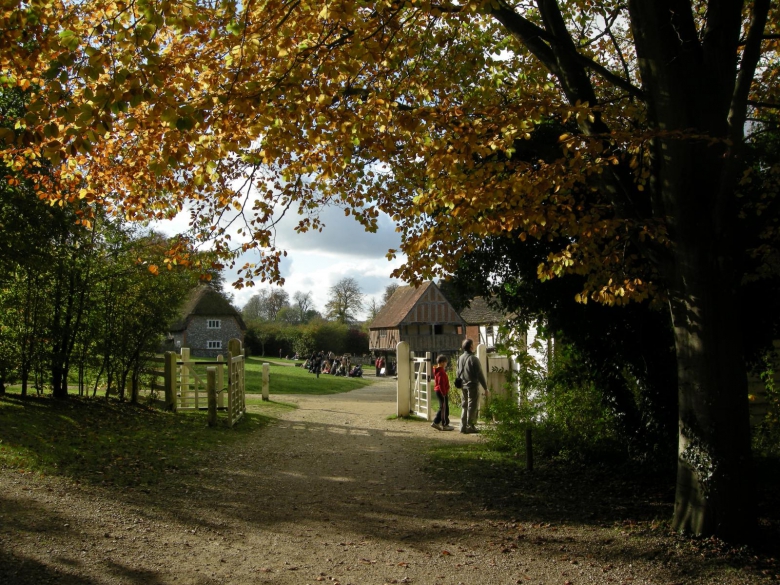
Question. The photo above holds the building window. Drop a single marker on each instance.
(214, 344)
(213, 324)
(383, 333)
(438, 329)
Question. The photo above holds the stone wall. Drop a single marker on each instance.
(198, 335)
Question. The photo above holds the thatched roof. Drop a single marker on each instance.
(206, 302)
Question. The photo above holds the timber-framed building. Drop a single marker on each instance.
(423, 317)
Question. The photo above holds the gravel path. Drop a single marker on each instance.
(333, 492)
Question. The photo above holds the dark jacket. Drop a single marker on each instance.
(470, 371)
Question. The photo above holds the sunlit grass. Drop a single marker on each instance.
(292, 380)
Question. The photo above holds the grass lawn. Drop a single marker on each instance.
(291, 380)
(100, 441)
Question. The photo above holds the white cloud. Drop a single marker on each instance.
(342, 236)
(317, 260)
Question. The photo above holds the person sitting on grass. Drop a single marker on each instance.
(442, 387)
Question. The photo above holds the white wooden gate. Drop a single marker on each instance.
(415, 383)
(421, 391)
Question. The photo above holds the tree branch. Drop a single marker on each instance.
(759, 104)
(750, 57)
(529, 35)
(540, 42)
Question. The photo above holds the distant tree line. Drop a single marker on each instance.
(276, 323)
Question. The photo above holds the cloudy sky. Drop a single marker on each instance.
(317, 260)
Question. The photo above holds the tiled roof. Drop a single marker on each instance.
(398, 306)
(479, 313)
(206, 301)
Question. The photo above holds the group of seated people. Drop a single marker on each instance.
(329, 364)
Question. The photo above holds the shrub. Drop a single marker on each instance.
(766, 435)
(564, 408)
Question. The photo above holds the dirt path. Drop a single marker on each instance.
(334, 492)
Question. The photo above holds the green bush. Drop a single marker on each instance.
(564, 409)
(766, 435)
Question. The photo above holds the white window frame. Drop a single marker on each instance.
(214, 344)
(213, 324)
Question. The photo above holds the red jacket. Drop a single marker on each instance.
(441, 382)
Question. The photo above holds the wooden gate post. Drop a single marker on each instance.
(266, 380)
(170, 380)
(404, 385)
(211, 391)
(234, 347)
(220, 381)
(429, 386)
(185, 377)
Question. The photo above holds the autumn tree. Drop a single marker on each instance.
(242, 112)
(345, 300)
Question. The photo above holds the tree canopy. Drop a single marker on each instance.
(345, 299)
(431, 112)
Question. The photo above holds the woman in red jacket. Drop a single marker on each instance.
(441, 384)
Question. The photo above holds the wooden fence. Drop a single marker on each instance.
(188, 384)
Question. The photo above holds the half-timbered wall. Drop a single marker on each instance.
(432, 307)
(383, 339)
(431, 325)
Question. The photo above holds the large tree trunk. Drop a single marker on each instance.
(714, 479)
(689, 76)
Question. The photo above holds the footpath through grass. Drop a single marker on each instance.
(108, 442)
(288, 379)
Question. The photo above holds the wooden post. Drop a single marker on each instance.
(230, 388)
(185, 376)
(170, 380)
(211, 390)
(404, 384)
(220, 381)
(429, 385)
(235, 347)
(266, 380)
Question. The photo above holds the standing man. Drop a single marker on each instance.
(318, 366)
(470, 371)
